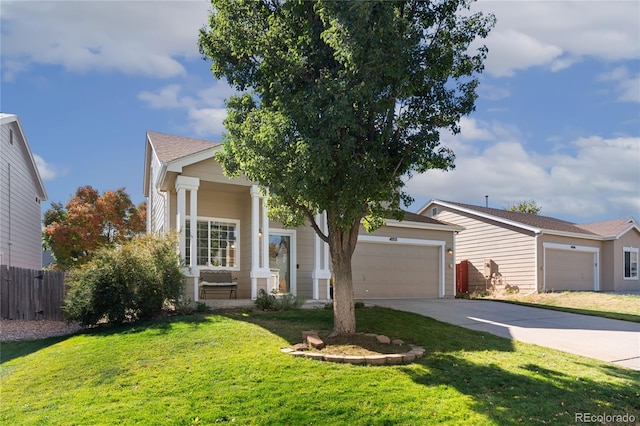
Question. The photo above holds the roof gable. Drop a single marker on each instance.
(535, 223)
(8, 119)
(170, 148)
(614, 228)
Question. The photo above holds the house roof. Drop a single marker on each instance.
(6, 119)
(169, 147)
(534, 223)
(611, 228)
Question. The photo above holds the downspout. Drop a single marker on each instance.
(537, 266)
(9, 221)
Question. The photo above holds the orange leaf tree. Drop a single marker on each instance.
(90, 221)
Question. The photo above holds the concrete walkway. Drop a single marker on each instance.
(608, 340)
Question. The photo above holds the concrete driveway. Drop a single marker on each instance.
(608, 340)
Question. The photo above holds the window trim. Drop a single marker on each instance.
(631, 250)
(237, 242)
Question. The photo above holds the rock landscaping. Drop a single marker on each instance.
(377, 349)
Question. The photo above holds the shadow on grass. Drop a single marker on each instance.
(505, 391)
(528, 393)
(17, 349)
(415, 329)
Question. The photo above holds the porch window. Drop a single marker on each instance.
(630, 263)
(216, 243)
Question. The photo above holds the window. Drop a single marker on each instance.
(630, 263)
(11, 136)
(216, 243)
(434, 212)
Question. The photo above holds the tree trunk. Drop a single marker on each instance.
(342, 245)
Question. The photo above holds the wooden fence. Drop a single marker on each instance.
(29, 294)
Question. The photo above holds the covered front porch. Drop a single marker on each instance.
(234, 235)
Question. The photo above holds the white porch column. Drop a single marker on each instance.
(181, 220)
(265, 237)
(255, 239)
(191, 184)
(259, 242)
(193, 246)
(321, 270)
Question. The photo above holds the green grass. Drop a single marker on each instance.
(228, 368)
(606, 305)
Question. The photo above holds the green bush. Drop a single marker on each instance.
(125, 283)
(274, 302)
(265, 301)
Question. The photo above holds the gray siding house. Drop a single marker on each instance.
(540, 253)
(21, 192)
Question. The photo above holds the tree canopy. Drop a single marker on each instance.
(340, 102)
(529, 207)
(90, 221)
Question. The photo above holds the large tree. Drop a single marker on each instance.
(89, 221)
(340, 102)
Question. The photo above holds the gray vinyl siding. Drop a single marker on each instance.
(513, 251)
(20, 210)
(157, 200)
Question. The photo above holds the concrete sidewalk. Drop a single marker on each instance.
(608, 340)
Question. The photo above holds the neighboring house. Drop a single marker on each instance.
(21, 192)
(539, 253)
(185, 185)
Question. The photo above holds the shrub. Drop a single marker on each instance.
(125, 283)
(287, 302)
(273, 302)
(265, 301)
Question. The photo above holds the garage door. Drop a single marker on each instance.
(569, 270)
(395, 270)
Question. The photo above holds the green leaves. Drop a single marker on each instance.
(343, 101)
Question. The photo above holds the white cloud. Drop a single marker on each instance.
(205, 107)
(207, 121)
(512, 50)
(556, 34)
(140, 37)
(599, 179)
(626, 85)
(47, 171)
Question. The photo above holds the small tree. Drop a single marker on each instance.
(125, 283)
(90, 221)
(529, 207)
(344, 100)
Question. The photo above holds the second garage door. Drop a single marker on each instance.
(569, 270)
(395, 271)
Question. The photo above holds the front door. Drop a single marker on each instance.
(282, 260)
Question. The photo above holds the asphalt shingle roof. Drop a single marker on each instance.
(609, 228)
(170, 147)
(536, 221)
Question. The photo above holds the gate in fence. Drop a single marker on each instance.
(31, 294)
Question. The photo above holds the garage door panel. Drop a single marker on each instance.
(569, 270)
(395, 270)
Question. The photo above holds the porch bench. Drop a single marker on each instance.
(218, 281)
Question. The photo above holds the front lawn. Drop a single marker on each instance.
(227, 368)
(614, 306)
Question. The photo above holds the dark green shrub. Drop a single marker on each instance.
(276, 302)
(265, 301)
(125, 283)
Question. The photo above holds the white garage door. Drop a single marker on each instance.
(569, 270)
(395, 270)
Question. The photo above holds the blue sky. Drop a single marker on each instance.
(557, 120)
